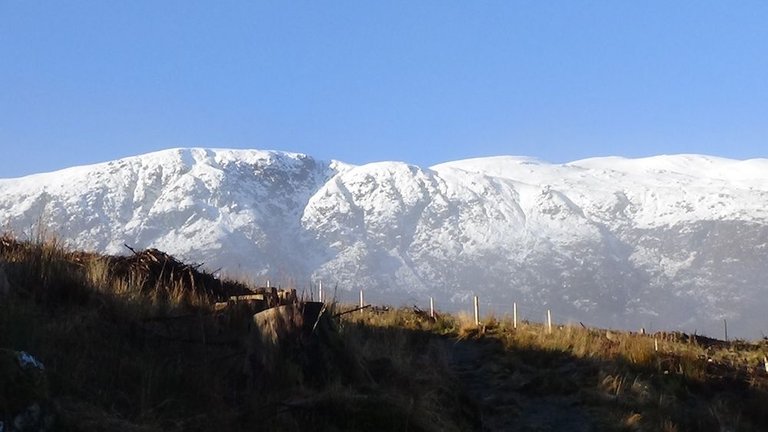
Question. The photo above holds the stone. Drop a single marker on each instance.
(23, 392)
(299, 343)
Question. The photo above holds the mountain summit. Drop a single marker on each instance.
(664, 242)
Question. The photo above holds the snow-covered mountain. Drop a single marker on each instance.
(664, 242)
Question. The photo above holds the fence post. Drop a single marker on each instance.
(514, 315)
(477, 312)
(320, 291)
(362, 302)
(725, 325)
(431, 307)
(655, 344)
(549, 321)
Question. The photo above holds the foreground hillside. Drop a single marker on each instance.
(673, 242)
(115, 346)
(146, 350)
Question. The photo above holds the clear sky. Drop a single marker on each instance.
(362, 81)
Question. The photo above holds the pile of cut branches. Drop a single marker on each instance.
(158, 269)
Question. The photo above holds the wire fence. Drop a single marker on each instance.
(525, 310)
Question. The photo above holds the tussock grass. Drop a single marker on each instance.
(125, 353)
(89, 328)
(690, 383)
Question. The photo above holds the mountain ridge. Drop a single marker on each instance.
(675, 241)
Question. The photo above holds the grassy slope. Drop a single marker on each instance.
(132, 353)
(594, 380)
(120, 356)
(621, 382)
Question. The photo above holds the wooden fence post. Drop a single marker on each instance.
(514, 315)
(655, 344)
(725, 325)
(431, 308)
(549, 321)
(477, 312)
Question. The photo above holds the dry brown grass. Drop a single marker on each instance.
(121, 356)
(690, 383)
(91, 330)
(114, 360)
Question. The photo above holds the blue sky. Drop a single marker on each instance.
(418, 81)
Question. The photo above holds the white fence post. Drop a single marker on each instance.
(514, 315)
(431, 307)
(362, 302)
(320, 291)
(549, 321)
(477, 312)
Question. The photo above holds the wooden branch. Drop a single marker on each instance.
(350, 311)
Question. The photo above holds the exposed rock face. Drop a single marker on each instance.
(669, 242)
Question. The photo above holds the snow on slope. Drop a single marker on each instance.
(665, 190)
(663, 242)
(232, 209)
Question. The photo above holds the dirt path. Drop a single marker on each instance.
(518, 397)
